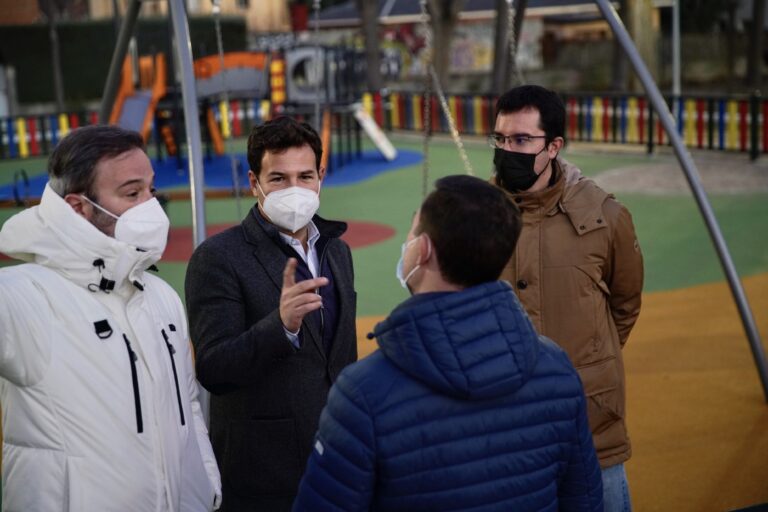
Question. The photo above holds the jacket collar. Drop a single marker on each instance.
(573, 194)
(52, 234)
(582, 200)
(544, 201)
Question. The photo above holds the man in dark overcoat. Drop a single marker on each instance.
(271, 306)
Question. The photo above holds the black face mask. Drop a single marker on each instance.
(515, 170)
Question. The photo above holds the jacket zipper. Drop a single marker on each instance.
(171, 352)
(134, 375)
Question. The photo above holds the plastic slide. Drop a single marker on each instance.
(375, 133)
(135, 109)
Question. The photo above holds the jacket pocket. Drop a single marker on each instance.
(594, 272)
(601, 387)
(262, 458)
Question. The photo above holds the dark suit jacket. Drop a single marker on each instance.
(266, 395)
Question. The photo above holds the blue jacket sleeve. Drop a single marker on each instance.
(582, 486)
(340, 473)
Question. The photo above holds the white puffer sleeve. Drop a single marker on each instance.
(25, 329)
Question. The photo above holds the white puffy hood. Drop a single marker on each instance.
(52, 234)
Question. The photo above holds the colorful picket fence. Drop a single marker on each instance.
(716, 123)
(22, 137)
(32, 136)
(237, 117)
(731, 124)
(473, 115)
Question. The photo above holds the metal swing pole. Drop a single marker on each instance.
(178, 14)
(191, 118)
(427, 104)
(694, 181)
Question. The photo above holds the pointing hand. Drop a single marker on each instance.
(298, 299)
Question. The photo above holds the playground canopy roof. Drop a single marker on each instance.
(392, 12)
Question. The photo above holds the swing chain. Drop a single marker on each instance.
(216, 9)
(511, 35)
(435, 81)
(451, 123)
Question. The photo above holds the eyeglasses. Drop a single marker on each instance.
(518, 141)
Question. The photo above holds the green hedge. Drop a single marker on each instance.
(86, 51)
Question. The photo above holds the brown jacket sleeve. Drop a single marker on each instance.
(625, 269)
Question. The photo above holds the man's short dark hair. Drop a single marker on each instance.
(72, 164)
(473, 226)
(548, 103)
(279, 135)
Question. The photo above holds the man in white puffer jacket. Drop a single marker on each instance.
(98, 391)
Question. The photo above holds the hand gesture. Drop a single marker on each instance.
(298, 299)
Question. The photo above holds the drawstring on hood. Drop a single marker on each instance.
(105, 285)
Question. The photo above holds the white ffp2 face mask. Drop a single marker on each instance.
(291, 208)
(399, 269)
(144, 226)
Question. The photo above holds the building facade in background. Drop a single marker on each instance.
(13, 12)
(260, 15)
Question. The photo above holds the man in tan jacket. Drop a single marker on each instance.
(577, 268)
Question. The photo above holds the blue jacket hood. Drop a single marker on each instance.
(475, 343)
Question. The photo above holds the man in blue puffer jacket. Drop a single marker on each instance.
(464, 407)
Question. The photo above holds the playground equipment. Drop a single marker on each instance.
(374, 132)
(134, 109)
(338, 73)
(137, 108)
(277, 81)
(236, 74)
(223, 76)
